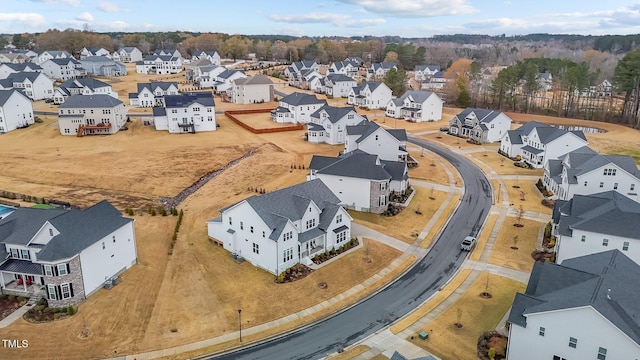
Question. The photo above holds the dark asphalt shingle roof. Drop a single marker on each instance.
(21, 266)
(609, 282)
(5, 95)
(22, 225)
(164, 85)
(334, 113)
(84, 82)
(359, 164)
(532, 150)
(186, 99)
(90, 101)
(298, 98)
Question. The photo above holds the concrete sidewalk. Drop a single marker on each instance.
(14, 316)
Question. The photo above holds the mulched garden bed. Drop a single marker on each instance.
(41, 313)
(495, 340)
(296, 272)
(9, 304)
(320, 258)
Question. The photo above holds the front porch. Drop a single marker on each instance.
(21, 278)
(311, 243)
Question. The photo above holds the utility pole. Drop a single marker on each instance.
(240, 322)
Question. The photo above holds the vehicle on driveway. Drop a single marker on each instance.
(468, 243)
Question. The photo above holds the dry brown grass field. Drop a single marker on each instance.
(518, 259)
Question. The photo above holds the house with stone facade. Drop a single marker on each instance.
(277, 230)
(361, 181)
(64, 255)
(481, 125)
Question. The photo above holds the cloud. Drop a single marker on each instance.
(290, 30)
(414, 8)
(85, 16)
(72, 3)
(527, 26)
(338, 20)
(29, 19)
(108, 6)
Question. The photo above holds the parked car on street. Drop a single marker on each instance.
(468, 243)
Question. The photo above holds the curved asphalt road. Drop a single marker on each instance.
(406, 293)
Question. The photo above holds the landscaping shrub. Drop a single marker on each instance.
(71, 310)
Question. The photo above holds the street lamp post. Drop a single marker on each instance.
(240, 322)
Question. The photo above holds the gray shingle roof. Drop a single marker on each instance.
(359, 165)
(298, 98)
(335, 78)
(6, 94)
(82, 83)
(80, 229)
(418, 96)
(186, 99)
(64, 61)
(258, 79)
(290, 203)
(483, 115)
(22, 225)
(400, 134)
(20, 77)
(21, 266)
(584, 160)
(607, 281)
(333, 113)
(164, 85)
(90, 101)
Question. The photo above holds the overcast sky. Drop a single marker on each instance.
(407, 18)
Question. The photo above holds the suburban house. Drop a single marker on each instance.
(14, 58)
(93, 51)
(338, 85)
(304, 78)
(585, 308)
(7, 69)
(589, 224)
(224, 80)
(347, 68)
(387, 144)
(545, 81)
(355, 59)
(361, 181)
(82, 86)
(296, 108)
(16, 111)
(192, 68)
(537, 142)
(604, 89)
(69, 253)
(127, 54)
(484, 126)
(153, 93)
(212, 56)
(378, 71)
(159, 64)
(98, 114)
(371, 95)
(186, 113)
(435, 82)
(168, 52)
(277, 230)
(62, 69)
(328, 124)
(416, 106)
(35, 85)
(205, 76)
(425, 72)
(102, 66)
(51, 54)
(251, 90)
(300, 66)
(584, 171)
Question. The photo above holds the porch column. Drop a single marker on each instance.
(1, 279)
(24, 282)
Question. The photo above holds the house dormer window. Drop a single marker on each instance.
(15, 254)
(311, 223)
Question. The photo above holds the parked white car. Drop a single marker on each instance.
(468, 243)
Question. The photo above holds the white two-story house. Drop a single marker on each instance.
(51, 54)
(251, 90)
(368, 136)
(347, 67)
(82, 86)
(98, 114)
(159, 64)
(212, 56)
(425, 72)
(338, 85)
(69, 253)
(127, 54)
(589, 224)
(536, 143)
(153, 93)
(16, 111)
(277, 230)
(186, 113)
(35, 85)
(416, 106)
(329, 124)
(6, 69)
(93, 51)
(62, 69)
(485, 126)
(585, 308)
(584, 171)
(296, 108)
(371, 95)
(361, 181)
(378, 71)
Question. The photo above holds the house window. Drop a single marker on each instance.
(241, 225)
(556, 357)
(632, 187)
(15, 254)
(230, 221)
(541, 331)
(251, 229)
(288, 236)
(376, 137)
(51, 291)
(311, 223)
(338, 218)
(383, 186)
(605, 242)
(342, 236)
(615, 186)
(25, 254)
(287, 254)
(48, 270)
(62, 269)
(65, 290)
(103, 246)
(573, 342)
(256, 248)
(114, 238)
(583, 238)
(602, 353)
(601, 184)
(50, 232)
(382, 201)
(585, 183)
